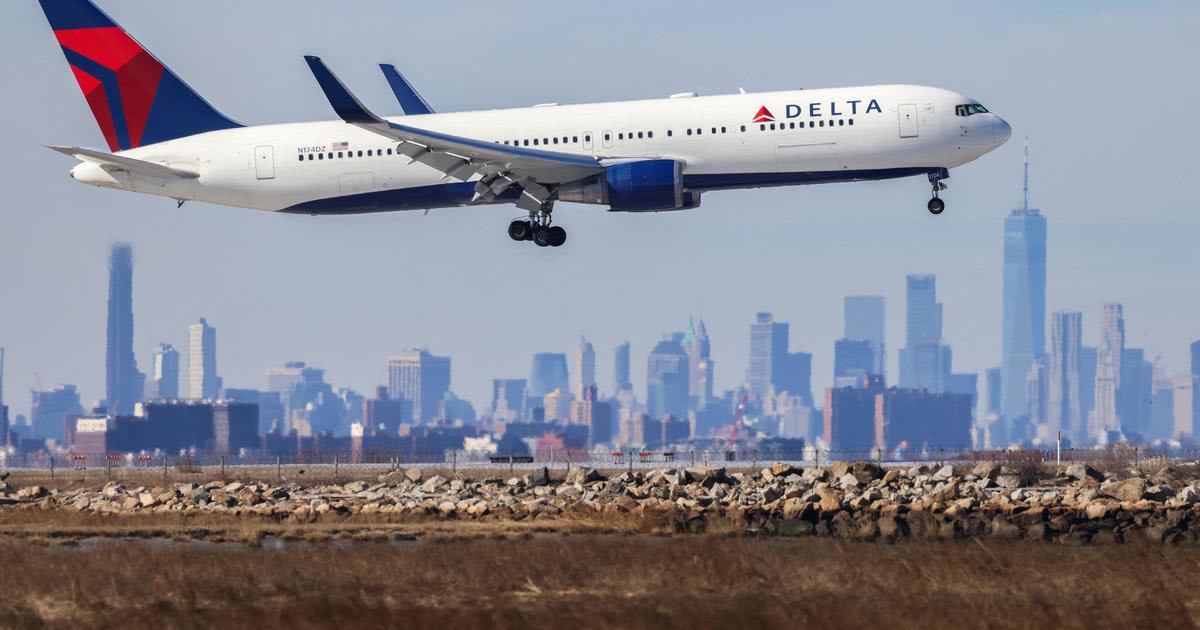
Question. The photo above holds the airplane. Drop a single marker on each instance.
(639, 156)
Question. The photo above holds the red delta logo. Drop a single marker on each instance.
(764, 115)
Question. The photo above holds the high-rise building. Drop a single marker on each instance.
(549, 373)
(422, 378)
(1024, 318)
(621, 368)
(864, 321)
(772, 367)
(556, 406)
(203, 382)
(1088, 359)
(1183, 407)
(1196, 388)
(1035, 401)
(124, 383)
(768, 353)
(1135, 393)
(50, 409)
(508, 399)
(925, 361)
(585, 367)
(588, 411)
(667, 380)
(164, 385)
(1104, 421)
(700, 365)
(852, 360)
(1063, 383)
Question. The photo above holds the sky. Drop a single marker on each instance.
(1105, 91)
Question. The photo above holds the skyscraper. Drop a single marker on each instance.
(864, 321)
(621, 367)
(124, 383)
(700, 365)
(1135, 393)
(1104, 420)
(421, 378)
(49, 411)
(585, 367)
(1024, 319)
(667, 380)
(925, 361)
(768, 352)
(1063, 384)
(166, 372)
(549, 373)
(852, 360)
(508, 398)
(203, 382)
(1195, 388)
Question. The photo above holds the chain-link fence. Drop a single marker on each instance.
(345, 465)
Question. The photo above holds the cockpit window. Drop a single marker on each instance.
(969, 109)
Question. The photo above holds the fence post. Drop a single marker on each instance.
(335, 465)
(568, 463)
(942, 456)
(165, 473)
(879, 457)
(108, 466)
(222, 467)
(816, 458)
(52, 467)
(693, 458)
(454, 462)
(1136, 461)
(279, 466)
(510, 466)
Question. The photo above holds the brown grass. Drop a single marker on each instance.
(601, 582)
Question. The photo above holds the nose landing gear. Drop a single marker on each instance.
(936, 205)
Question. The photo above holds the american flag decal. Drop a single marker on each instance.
(341, 146)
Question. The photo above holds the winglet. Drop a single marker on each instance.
(410, 100)
(347, 106)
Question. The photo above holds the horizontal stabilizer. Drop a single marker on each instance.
(109, 161)
(410, 100)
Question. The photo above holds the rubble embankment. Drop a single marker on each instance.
(859, 500)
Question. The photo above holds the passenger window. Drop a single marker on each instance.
(649, 134)
(621, 136)
(762, 127)
(587, 137)
(640, 136)
(714, 131)
(670, 133)
(301, 158)
(841, 122)
(339, 155)
(556, 141)
(699, 132)
(851, 122)
(320, 156)
(574, 139)
(689, 131)
(772, 126)
(310, 157)
(722, 130)
(360, 154)
(607, 137)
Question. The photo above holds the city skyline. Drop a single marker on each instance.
(759, 253)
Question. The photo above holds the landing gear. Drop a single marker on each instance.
(538, 229)
(936, 206)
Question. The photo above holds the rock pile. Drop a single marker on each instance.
(859, 500)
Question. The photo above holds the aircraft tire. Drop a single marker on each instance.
(541, 237)
(558, 236)
(936, 206)
(520, 230)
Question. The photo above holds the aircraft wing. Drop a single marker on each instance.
(111, 162)
(410, 101)
(500, 166)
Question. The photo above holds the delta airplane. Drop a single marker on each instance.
(638, 156)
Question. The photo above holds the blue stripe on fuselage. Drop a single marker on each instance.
(460, 194)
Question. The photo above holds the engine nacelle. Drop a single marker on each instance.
(643, 186)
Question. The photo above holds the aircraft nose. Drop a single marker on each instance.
(1001, 131)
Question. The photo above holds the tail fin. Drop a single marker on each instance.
(135, 98)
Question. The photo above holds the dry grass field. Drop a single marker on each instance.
(599, 581)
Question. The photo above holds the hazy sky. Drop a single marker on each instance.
(1107, 92)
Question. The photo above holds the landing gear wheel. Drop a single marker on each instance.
(541, 237)
(558, 236)
(936, 206)
(520, 230)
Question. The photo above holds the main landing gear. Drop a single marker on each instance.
(936, 205)
(537, 228)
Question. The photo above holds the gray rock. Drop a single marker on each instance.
(1130, 490)
(986, 470)
(432, 484)
(1083, 471)
(943, 473)
(1008, 481)
(413, 474)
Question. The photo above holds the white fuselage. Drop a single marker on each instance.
(821, 135)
